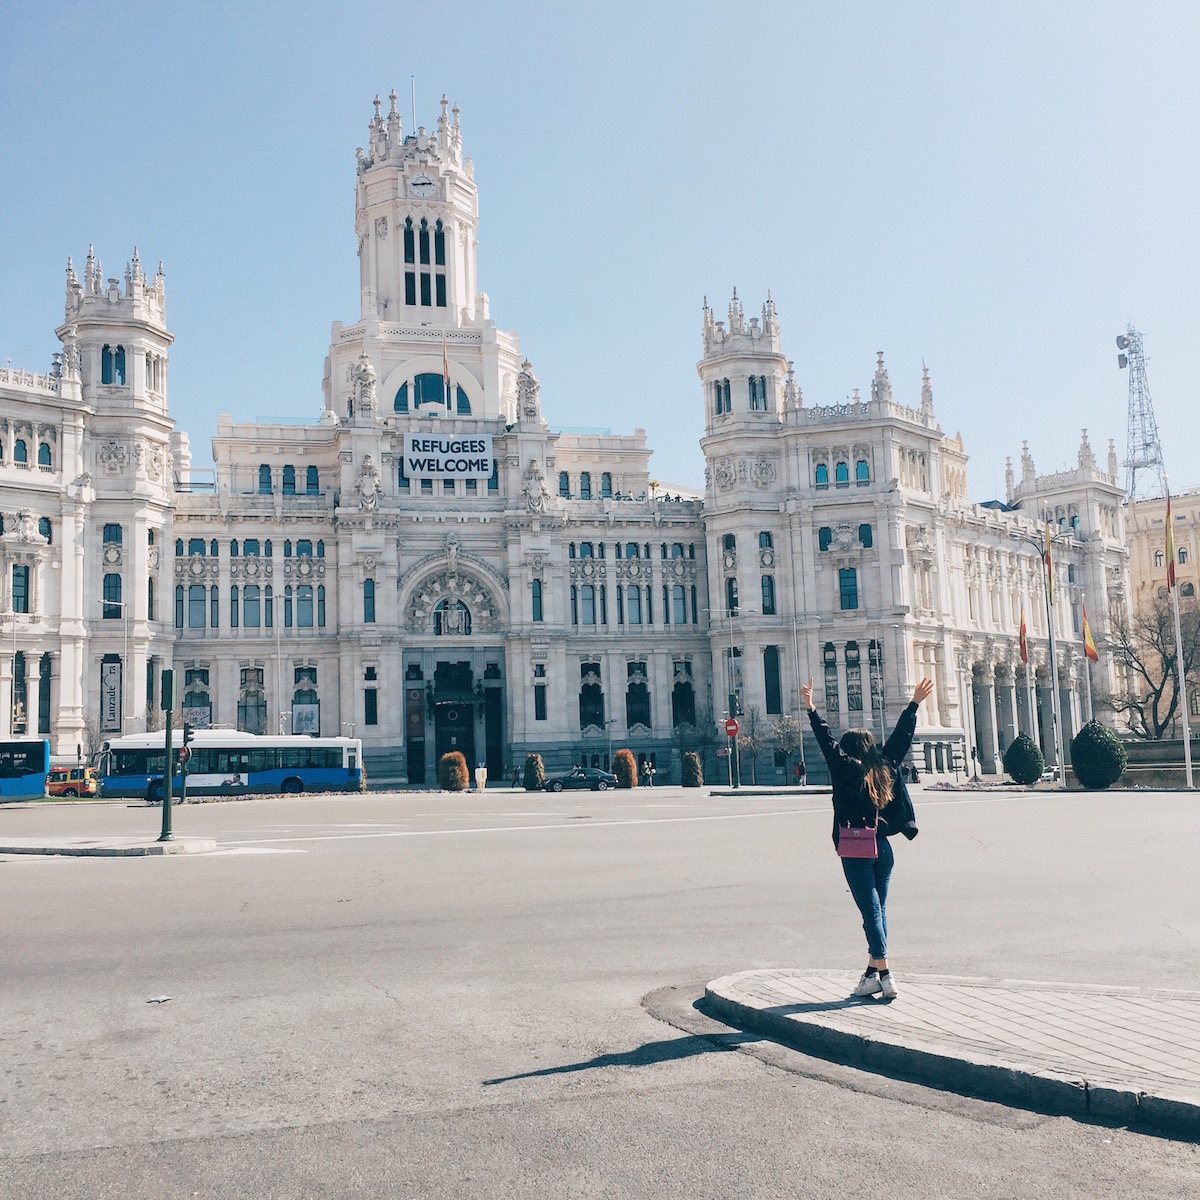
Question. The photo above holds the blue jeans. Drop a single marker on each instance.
(868, 879)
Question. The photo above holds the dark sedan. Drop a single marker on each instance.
(590, 778)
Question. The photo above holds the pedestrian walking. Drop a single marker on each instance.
(870, 804)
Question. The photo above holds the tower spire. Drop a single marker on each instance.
(1143, 449)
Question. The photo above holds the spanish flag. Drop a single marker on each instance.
(1089, 647)
(1023, 641)
(1049, 564)
(1170, 545)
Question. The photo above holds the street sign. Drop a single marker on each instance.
(183, 754)
(722, 753)
(731, 728)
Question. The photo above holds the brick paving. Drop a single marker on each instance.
(1128, 1054)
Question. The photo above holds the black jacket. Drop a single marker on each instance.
(851, 803)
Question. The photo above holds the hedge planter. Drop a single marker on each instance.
(452, 772)
(1097, 756)
(1023, 760)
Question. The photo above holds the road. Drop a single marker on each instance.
(422, 995)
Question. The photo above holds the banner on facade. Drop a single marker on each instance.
(447, 456)
(199, 717)
(306, 718)
(110, 697)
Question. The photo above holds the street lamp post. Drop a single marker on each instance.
(735, 777)
(1055, 700)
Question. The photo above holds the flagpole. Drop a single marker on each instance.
(1183, 708)
(1055, 702)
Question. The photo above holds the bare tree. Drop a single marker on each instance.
(788, 734)
(751, 738)
(92, 740)
(1144, 647)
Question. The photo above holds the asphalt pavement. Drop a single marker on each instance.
(502, 995)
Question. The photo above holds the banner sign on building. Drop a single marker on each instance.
(306, 718)
(110, 697)
(447, 456)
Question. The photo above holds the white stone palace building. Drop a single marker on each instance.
(533, 590)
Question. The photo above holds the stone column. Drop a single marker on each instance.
(6, 695)
(33, 692)
(985, 714)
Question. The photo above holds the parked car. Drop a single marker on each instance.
(579, 778)
(72, 781)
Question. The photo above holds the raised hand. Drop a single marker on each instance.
(923, 691)
(806, 694)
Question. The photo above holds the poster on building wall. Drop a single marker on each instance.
(110, 697)
(199, 717)
(447, 456)
(306, 718)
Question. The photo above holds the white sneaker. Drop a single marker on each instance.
(868, 985)
(887, 988)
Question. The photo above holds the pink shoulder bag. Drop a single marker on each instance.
(857, 842)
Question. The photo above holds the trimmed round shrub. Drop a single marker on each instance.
(452, 772)
(625, 769)
(535, 773)
(1097, 756)
(1023, 760)
(692, 774)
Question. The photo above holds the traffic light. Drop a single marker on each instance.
(189, 732)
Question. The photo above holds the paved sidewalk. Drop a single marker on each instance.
(79, 847)
(1130, 1055)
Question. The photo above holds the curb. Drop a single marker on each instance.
(128, 850)
(1015, 1085)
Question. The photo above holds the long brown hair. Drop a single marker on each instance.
(859, 745)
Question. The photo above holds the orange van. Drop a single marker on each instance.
(72, 781)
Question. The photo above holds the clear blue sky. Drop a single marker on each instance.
(994, 188)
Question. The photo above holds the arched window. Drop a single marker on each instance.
(864, 536)
(587, 605)
(320, 549)
(729, 542)
(400, 404)
(321, 606)
(1187, 589)
(20, 451)
(252, 702)
(429, 388)
(233, 606)
(464, 405)
(179, 607)
(251, 606)
(250, 548)
(768, 595)
(267, 548)
(269, 605)
(212, 549)
(731, 596)
(304, 606)
(676, 549)
(587, 550)
(451, 617)
(119, 367)
(106, 363)
(821, 476)
(289, 480)
(1182, 556)
(197, 546)
(214, 607)
(537, 599)
(112, 598)
(304, 547)
(179, 547)
(369, 601)
(196, 605)
(43, 455)
(1160, 558)
(585, 485)
(264, 479)
(841, 475)
(439, 245)
(758, 393)
(862, 472)
(765, 541)
(824, 538)
(424, 241)
(150, 616)
(233, 548)
(410, 245)
(631, 550)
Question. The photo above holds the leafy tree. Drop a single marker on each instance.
(1144, 646)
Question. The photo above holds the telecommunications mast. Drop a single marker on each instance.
(1142, 448)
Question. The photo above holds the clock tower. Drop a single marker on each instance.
(416, 214)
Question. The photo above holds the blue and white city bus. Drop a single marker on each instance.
(24, 763)
(225, 762)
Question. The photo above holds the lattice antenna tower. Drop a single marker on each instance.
(1145, 472)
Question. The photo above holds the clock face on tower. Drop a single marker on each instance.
(422, 186)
